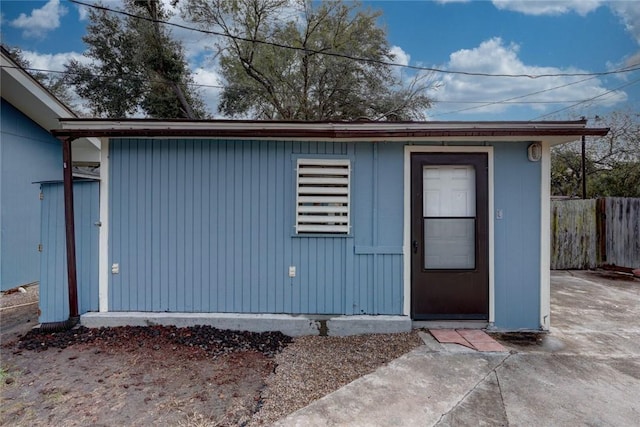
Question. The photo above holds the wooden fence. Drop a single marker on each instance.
(595, 233)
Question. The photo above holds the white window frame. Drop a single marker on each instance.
(323, 196)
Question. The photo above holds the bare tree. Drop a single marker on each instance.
(287, 60)
(612, 161)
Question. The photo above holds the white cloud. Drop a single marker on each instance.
(494, 57)
(629, 13)
(633, 60)
(41, 20)
(548, 7)
(196, 45)
(627, 10)
(207, 77)
(49, 61)
(55, 62)
(211, 88)
(83, 13)
(400, 56)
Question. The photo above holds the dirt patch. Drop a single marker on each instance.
(18, 312)
(136, 376)
(170, 376)
(27, 294)
(179, 376)
(522, 339)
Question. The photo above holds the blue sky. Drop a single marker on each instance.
(491, 37)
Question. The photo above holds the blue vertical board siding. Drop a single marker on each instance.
(320, 275)
(28, 154)
(378, 189)
(390, 190)
(208, 226)
(278, 257)
(87, 214)
(54, 292)
(517, 238)
(363, 184)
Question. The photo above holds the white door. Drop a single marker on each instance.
(449, 209)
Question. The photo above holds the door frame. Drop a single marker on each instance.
(408, 150)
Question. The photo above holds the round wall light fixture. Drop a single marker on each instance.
(534, 152)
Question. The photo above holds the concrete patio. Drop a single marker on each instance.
(586, 371)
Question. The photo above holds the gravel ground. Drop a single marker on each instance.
(18, 312)
(171, 376)
(15, 297)
(312, 367)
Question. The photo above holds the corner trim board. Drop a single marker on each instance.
(103, 245)
(545, 239)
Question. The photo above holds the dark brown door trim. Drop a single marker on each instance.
(450, 293)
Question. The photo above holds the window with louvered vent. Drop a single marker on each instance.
(323, 190)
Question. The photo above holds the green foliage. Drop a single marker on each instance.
(622, 180)
(135, 66)
(612, 163)
(566, 173)
(268, 81)
(16, 54)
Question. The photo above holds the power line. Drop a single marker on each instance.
(509, 101)
(42, 70)
(355, 58)
(487, 103)
(587, 100)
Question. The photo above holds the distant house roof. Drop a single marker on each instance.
(556, 132)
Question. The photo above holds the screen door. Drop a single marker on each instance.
(449, 231)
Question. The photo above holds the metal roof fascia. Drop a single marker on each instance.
(150, 124)
(344, 131)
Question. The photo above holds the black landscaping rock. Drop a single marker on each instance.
(203, 339)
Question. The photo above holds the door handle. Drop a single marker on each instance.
(415, 246)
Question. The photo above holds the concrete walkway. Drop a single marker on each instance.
(585, 372)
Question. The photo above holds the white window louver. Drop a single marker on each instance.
(323, 195)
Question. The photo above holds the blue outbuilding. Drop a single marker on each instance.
(28, 154)
(314, 226)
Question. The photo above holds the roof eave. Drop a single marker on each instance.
(554, 132)
(31, 98)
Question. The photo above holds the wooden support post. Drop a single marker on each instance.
(584, 169)
(70, 227)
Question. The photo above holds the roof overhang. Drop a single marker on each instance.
(554, 132)
(33, 100)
